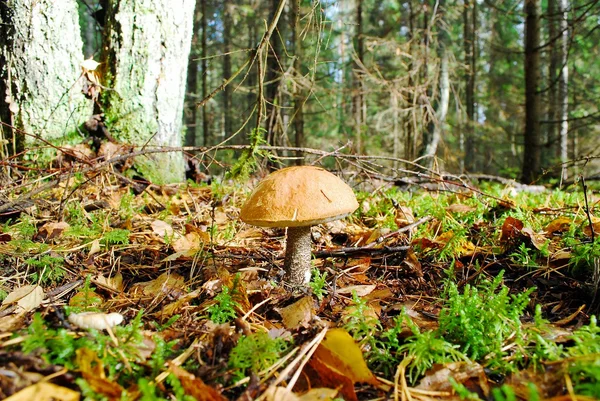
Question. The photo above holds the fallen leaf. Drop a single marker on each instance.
(162, 229)
(45, 391)
(361, 290)
(460, 208)
(113, 283)
(300, 313)
(560, 225)
(469, 374)
(189, 242)
(511, 228)
(195, 386)
(587, 230)
(27, 297)
(537, 240)
(92, 370)
(340, 352)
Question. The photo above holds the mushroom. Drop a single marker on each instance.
(297, 198)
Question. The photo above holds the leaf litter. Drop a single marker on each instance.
(116, 292)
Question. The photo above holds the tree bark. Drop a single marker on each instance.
(299, 95)
(437, 124)
(147, 45)
(551, 139)
(532, 151)
(358, 89)
(273, 130)
(563, 86)
(191, 114)
(227, 92)
(206, 135)
(40, 58)
(469, 29)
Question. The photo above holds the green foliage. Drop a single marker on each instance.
(317, 284)
(116, 236)
(224, 308)
(250, 158)
(584, 359)
(426, 349)
(254, 353)
(482, 320)
(86, 298)
(360, 322)
(49, 269)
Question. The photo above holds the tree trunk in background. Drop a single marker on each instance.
(191, 111)
(551, 140)
(358, 85)
(252, 75)
(410, 145)
(273, 78)
(436, 126)
(469, 29)
(227, 25)
(299, 95)
(204, 71)
(563, 86)
(532, 151)
(148, 43)
(40, 58)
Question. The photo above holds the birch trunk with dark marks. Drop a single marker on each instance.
(40, 69)
(147, 43)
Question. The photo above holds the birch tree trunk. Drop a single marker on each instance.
(563, 86)
(436, 126)
(532, 151)
(147, 43)
(358, 85)
(40, 67)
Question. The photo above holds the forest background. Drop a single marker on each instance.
(506, 88)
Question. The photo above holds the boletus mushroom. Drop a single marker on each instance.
(297, 198)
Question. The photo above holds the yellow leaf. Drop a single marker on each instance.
(45, 391)
(339, 351)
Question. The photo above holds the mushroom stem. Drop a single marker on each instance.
(297, 255)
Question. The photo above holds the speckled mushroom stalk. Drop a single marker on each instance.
(297, 255)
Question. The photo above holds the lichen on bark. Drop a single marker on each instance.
(147, 43)
(41, 55)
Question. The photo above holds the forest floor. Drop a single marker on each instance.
(456, 291)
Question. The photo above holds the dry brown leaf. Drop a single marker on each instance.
(361, 290)
(560, 225)
(113, 283)
(537, 240)
(511, 228)
(27, 297)
(195, 387)
(300, 313)
(469, 374)
(45, 391)
(165, 284)
(191, 242)
(94, 247)
(460, 208)
(587, 230)
(162, 228)
(276, 393)
(319, 394)
(52, 230)
(92, 370)
(175, 307)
